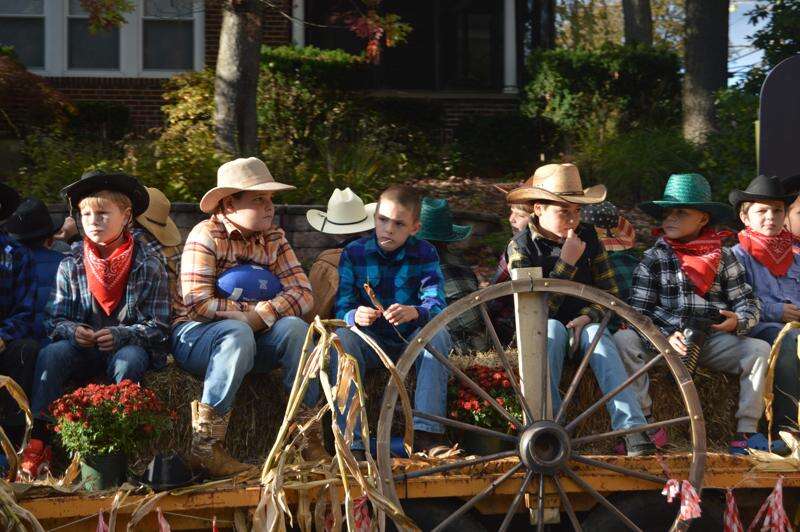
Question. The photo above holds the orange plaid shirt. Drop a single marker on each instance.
(216, 245)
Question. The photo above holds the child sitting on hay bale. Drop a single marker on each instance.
(689, 273)
(772, 269)
(557, 242)
(221, 340)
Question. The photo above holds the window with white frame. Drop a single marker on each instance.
(52, 37)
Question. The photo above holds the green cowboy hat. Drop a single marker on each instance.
(691, 191)
(436, 220)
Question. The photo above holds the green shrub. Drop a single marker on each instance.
(101, 120)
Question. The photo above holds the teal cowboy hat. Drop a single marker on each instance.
(691, 191)
(436, 221)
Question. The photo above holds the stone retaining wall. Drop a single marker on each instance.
(307, 242)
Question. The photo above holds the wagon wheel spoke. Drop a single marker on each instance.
(623, 432)
(512, 510)
(540, 506)
(600, 499)
(475, 387)
(477, 498)
(567, 505)
(465, 426)
(501, 352)
(618, 469)
(454, 465)
(613, 393)
(573, 386)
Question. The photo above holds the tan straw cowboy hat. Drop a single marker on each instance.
(157, 221)
(346, 214)
(557, 182)
(249, 174)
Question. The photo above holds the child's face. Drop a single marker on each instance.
(103, 220)
(792, 222)
(394, 223)
(558, 218)
(683, 223)
(765, 217)
(252, 211)
(518, 218)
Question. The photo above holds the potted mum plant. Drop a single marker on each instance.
(106, 424)
(466, 406)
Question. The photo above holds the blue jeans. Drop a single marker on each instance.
(431, 392)
(624, 408)
(223, 352)
(61, 361)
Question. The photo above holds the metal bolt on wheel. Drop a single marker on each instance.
(546, 445)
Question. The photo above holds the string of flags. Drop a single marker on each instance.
(771, 515)
(690, 500)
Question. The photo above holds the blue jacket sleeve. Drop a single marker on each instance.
(17, 323)
(431, 291)
(346, 300)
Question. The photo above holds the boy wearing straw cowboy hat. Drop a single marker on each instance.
(556, 241)
(468, 330)
(17, 350)
(687, 274)
(222, 340)
(347, 218)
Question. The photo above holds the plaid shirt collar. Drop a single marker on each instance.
(235, 233)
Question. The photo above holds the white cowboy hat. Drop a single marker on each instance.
(249, 174)
(346, 214)
(557, 182)
(157, 220)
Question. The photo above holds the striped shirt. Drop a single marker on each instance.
(216, 245)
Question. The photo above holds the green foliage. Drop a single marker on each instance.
(314, 66)
(592, 94)
(101, 120)
(778, 38)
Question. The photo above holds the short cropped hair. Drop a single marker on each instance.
(405, 196)
(97, 199)
(524, 207)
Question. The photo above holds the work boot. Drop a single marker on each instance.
(638, 444)
(208, 443)
(314, 449)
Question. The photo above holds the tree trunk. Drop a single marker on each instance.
(543, 24)
(706, 64)
(638, 22)
(236, 82)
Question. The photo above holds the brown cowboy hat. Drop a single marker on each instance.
(250, 174)
(557, 182)
(157, 221)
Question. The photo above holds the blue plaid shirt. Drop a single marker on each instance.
(16, 290)
(409, 276)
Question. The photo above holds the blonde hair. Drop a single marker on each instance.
(524, 207)
(97, 200)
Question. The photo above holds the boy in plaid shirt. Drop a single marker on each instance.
(689, 273)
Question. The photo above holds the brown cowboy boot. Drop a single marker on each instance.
(208, 438)
(315, 447)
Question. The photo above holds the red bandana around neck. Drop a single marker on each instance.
(107, 278)
(774, 252)
(700, 258)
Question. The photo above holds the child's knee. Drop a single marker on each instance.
(556, 332)
(130, 362)
(56, 355)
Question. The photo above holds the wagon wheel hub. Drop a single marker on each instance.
(544, 447)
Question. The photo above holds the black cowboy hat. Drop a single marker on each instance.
(169, 471)
(761, 188)
(9, 200)
(791, 184)
(32, 220)
(95, 180)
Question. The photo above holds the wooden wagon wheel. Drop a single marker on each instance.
(545, 447)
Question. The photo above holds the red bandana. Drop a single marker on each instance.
(774, 252)
(700, 258)
(107, 278)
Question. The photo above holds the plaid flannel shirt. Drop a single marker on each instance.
(409, 276)
(170, 257)
(623, 264)
(602, 273)
(146, 322)
(467, 330)
(216, 245)
(662, 291)
(16, 290)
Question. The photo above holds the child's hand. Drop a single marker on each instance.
(250, 317)
(366, 316)
(577, 326)
(572, 249)
(790, 313)
(678, 342)
(84, 336)
(104, 340)
(730, 323)
(398, 314)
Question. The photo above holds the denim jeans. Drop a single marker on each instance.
(624, 408)
(431, 392)
(62, 360)
(223, 352)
